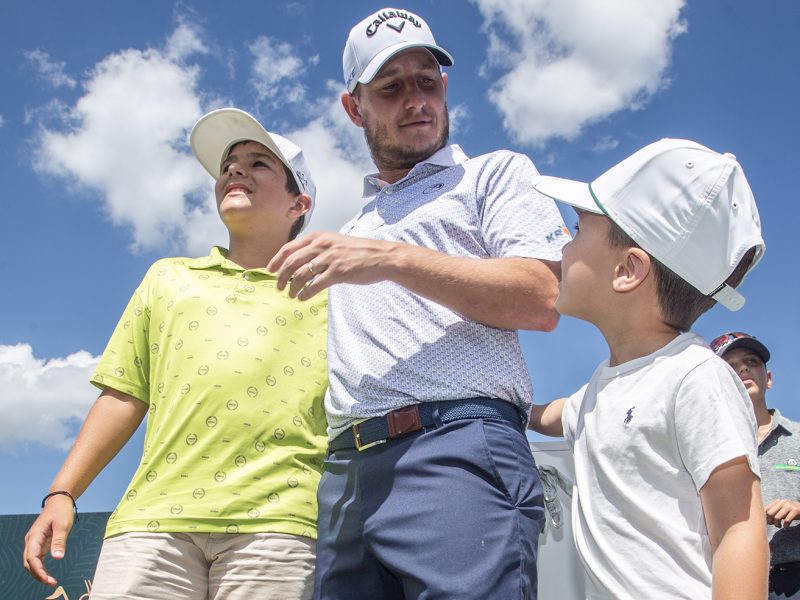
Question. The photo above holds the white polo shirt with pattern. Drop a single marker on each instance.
(389, 347)
(234, 373)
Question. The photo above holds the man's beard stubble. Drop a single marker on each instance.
(387, 155)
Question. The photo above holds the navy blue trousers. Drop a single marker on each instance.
(784, 581)
(451, 512)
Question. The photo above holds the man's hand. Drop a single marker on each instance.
(508, 292)
(781, 513)
(320, 260)
(48, 533)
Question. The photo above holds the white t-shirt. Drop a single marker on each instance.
(646, 435)
(389, 347)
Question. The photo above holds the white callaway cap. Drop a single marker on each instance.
(689, 207)
(216, 132)
(379, 37)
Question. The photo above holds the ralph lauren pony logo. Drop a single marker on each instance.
(629, 416)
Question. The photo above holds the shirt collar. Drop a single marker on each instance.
(448, 156)
(218, 258)
(778, 420)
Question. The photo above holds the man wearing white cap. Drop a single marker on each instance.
(232, 373)
(666, 502)
(430, 489)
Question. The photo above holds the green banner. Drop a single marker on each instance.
(74, 572)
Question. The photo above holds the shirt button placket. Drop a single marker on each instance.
(243, 284)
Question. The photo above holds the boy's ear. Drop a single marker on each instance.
(301, 205)
(632, 269)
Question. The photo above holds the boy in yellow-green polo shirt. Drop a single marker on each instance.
(232, 374)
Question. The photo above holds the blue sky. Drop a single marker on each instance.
(98, 181)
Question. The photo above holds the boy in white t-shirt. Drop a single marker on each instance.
(667, 501)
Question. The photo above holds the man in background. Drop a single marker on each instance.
(779, 460)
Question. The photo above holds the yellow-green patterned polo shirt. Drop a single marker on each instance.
(234, 373)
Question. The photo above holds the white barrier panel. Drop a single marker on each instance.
(561, 575)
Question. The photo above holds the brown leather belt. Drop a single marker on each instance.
(378, 430)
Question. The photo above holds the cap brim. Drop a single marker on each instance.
(574, 193)
(214, 134)
(381, 58)
(751, 344)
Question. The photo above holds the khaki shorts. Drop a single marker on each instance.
(205, 565)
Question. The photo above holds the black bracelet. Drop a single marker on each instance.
(63, 493)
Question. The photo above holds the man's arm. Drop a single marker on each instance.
(110, 423)
(546, 418)
(508, 293)
(734, 512)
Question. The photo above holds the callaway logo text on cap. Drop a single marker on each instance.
(379, 37)
(387, 16)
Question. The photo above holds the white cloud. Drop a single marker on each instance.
(184, 42)
(338, 159)
(296, 8)
(460, 117)
(605, 143)
(43, 401)
(559, 66)
(52, 111)
(2, 121)
(125, 139)
(52, 72)
(277, 70)
(201, 226)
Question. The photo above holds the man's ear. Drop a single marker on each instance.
(444, 81)
(632, 269)
(350, 104)
(301, 205)
(769, 379)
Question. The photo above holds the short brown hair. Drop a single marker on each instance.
(681, 303)
(294, 190)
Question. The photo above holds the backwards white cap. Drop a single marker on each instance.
(379, 37)
(216, 132)
(689, 207)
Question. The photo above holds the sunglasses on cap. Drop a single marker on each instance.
(726, 338)
(738, 339)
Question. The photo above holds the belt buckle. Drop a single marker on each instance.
(357, 436)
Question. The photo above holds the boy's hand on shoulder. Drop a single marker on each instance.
(546, 418)
(782, 512)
